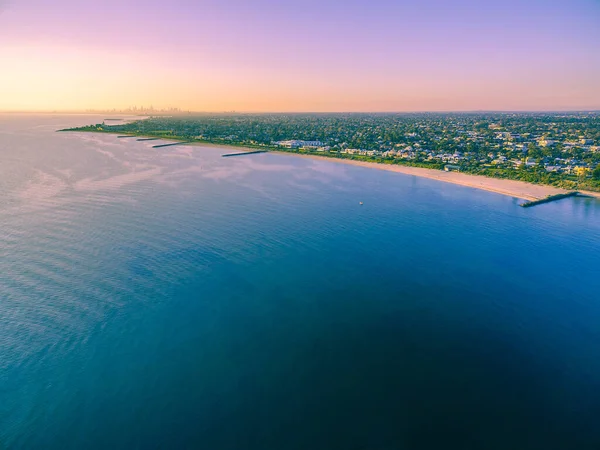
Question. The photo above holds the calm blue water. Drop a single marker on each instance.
(171, 298)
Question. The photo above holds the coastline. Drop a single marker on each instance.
(510, 188)
(502, 186)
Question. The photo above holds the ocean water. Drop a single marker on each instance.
(171, 298)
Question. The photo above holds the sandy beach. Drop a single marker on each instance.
(511, 188)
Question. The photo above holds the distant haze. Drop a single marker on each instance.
(310, 55)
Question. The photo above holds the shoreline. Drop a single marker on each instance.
(510, 188)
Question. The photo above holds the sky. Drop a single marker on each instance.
(300, 55)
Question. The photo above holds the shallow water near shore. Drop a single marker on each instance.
(171, 298)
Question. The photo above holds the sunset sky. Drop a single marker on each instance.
(309, 55)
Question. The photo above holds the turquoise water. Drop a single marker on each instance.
(171, 298)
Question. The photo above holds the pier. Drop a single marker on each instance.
(551, 198)
(148, 139)
(125, 137)
(171, 144)
(243, 153)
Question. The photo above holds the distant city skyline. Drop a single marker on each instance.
(301, 56)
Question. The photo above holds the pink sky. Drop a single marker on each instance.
(266, 55)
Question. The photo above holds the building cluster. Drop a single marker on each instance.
(521, 145)
(304, 145)
(455, 145)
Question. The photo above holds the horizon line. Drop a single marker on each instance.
(184, 112)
